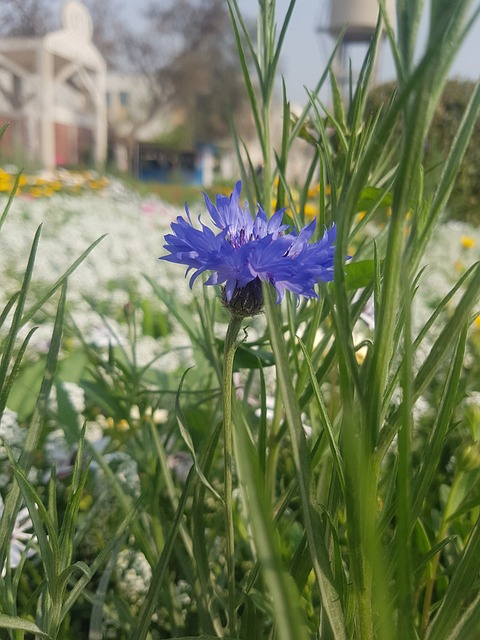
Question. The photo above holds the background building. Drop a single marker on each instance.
(52, 91)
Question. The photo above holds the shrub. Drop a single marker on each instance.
(465, 199)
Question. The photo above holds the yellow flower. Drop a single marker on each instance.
(122, 425)
(467, 242)
(310, 210)
(86, 502)
(36, 191)
(313, 192)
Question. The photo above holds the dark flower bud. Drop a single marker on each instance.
(246, 301)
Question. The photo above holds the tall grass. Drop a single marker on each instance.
(328, 508)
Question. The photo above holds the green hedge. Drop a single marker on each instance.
(465, 199)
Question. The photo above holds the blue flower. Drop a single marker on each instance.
(247, 251)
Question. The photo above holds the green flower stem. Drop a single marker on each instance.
(228, 355)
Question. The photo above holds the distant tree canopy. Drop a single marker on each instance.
(29, 18)
(197, 61)
(465, 199)
(110, 29)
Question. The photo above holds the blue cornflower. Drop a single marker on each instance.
(247, 251)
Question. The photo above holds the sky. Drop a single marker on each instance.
(307, 49)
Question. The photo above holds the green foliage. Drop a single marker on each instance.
(310, 472)
(465, 197)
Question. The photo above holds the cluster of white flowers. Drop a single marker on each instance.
(126, 471)
(22, 537)
(454, 247)
(113, 271)
(132, 575)
(14, 435)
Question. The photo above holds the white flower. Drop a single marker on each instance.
(160, 416)
(132, 575)
(14, 436)
(21, 536)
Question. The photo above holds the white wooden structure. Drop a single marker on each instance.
(53, 89)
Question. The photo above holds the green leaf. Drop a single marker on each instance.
(67, 532)
(63, 278)
(24, 392)
(446, 405)
(13, 499)
(462, 584)
(449, 333)
(180, 314)
(285, 599)
(182, 425)
(9, 343)
(12, 194)
(206, 578)
(42, 523)
(97, 612)
(248, 358)
(303, 132)
(468, 626)
(374, 196)
(10, 622)
(313, 525)
(451, 167)
(10, 379)
(161, 567)
(359, 274)
(88, 572)
(334, 449)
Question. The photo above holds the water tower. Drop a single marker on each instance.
(357, 20)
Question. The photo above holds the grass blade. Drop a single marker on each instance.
(313, 526)
(160, 570)
(12, 501)
(60, 282)
(11, 196)
(9, 343)
(19, 624)
(285, 598)
(461, 584)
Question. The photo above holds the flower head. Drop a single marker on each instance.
(247, 251)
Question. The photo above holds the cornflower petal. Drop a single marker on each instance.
(275, 226)
(250, 250)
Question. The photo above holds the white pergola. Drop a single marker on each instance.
(39, 67)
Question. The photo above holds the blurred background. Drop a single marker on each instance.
(150, 88)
